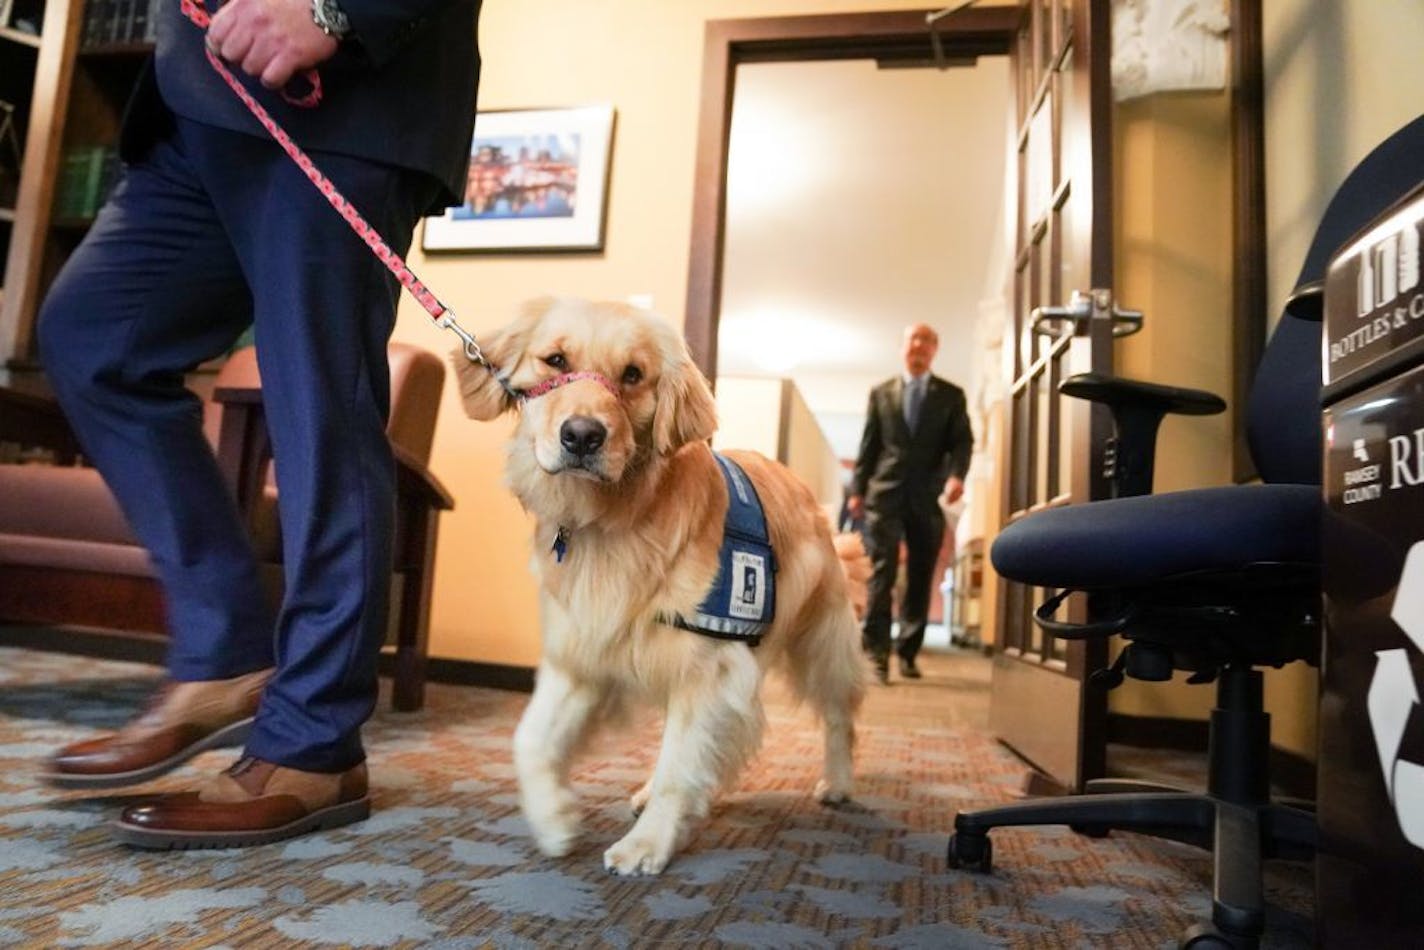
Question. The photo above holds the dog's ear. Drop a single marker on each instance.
(686, 411)
(481, 390)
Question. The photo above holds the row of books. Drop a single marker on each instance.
(87, 174)
(119, 21)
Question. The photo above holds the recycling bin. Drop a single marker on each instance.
(1370, 780)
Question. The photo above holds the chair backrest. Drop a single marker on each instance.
(1283, 422)
(417, 378)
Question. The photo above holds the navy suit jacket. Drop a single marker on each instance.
(401, 91)
(899, 471)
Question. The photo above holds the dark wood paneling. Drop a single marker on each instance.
(1248, 193)
(1023, 693)
(85, 598)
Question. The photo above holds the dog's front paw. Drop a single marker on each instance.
(555, 824)
(638, 854)
(828, 793)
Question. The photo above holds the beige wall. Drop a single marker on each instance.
(749, 414)
(770, 416)
(1340, 76)
(1172, 180)
(809, 454)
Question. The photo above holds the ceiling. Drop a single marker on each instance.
(859, 201)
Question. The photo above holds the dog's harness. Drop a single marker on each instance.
(742, 601)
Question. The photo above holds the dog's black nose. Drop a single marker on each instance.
(582, 435)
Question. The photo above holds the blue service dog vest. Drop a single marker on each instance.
(742, 601)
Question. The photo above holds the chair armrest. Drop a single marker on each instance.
(414, 480)
(1114, 391)
(244, 450)
(29, 419)
(1137, 410)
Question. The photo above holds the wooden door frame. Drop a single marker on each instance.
(1019, 681)
(1248, 237)
(893, 35)
(976, 31)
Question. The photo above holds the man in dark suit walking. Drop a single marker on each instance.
(213, 228)
(915, 447)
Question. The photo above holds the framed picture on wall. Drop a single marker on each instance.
(538, 181)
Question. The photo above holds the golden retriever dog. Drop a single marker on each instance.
(610, 454)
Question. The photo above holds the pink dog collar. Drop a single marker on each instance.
(549, 385)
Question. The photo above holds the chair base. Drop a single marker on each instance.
(1235, 818)
(1239, 836)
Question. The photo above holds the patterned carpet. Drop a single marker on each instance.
(446, 861)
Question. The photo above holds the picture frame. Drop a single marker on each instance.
(538, 182)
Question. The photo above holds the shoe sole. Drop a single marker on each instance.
(156, 839)
(228, 735)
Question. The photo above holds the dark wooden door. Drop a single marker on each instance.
(1041, 705)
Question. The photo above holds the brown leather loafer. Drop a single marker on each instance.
(182, 720)
(253, 802)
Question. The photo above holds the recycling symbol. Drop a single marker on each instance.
(1393, 696)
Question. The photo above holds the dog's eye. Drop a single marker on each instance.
(557, 361)
(632, 375)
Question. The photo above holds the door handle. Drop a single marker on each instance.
(1058, 322)
(1125, 322)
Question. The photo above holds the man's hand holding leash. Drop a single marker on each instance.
(270, 39)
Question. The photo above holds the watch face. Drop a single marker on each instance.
(332, 18)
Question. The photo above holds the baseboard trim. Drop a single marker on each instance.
(1158, 732)
(1293, 773)
(1290, 771)
(85, 641)
(151, 648)
(518, 679)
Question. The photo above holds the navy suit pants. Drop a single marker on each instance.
(211, 232)
(923, 534)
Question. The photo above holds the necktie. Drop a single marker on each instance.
(914, 396)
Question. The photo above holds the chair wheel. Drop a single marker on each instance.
(971, 852)
(1091, 831)
(1207, 937)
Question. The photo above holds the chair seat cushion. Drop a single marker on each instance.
(1135, 542)
(64, 502)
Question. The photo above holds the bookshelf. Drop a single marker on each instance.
(67, 67)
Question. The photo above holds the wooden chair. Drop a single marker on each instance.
(68, 558)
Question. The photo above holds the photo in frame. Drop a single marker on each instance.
(538, 181)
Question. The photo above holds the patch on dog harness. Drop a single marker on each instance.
(742, 601)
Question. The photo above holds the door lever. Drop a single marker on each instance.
(1058, 322)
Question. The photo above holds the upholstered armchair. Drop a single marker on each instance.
(68, 558)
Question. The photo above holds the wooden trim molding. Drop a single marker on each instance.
(151, 648)
(1290, 771)
(1248, 188)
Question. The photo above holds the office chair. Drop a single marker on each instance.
(1214, 581)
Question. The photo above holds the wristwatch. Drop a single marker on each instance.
(333, 21)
